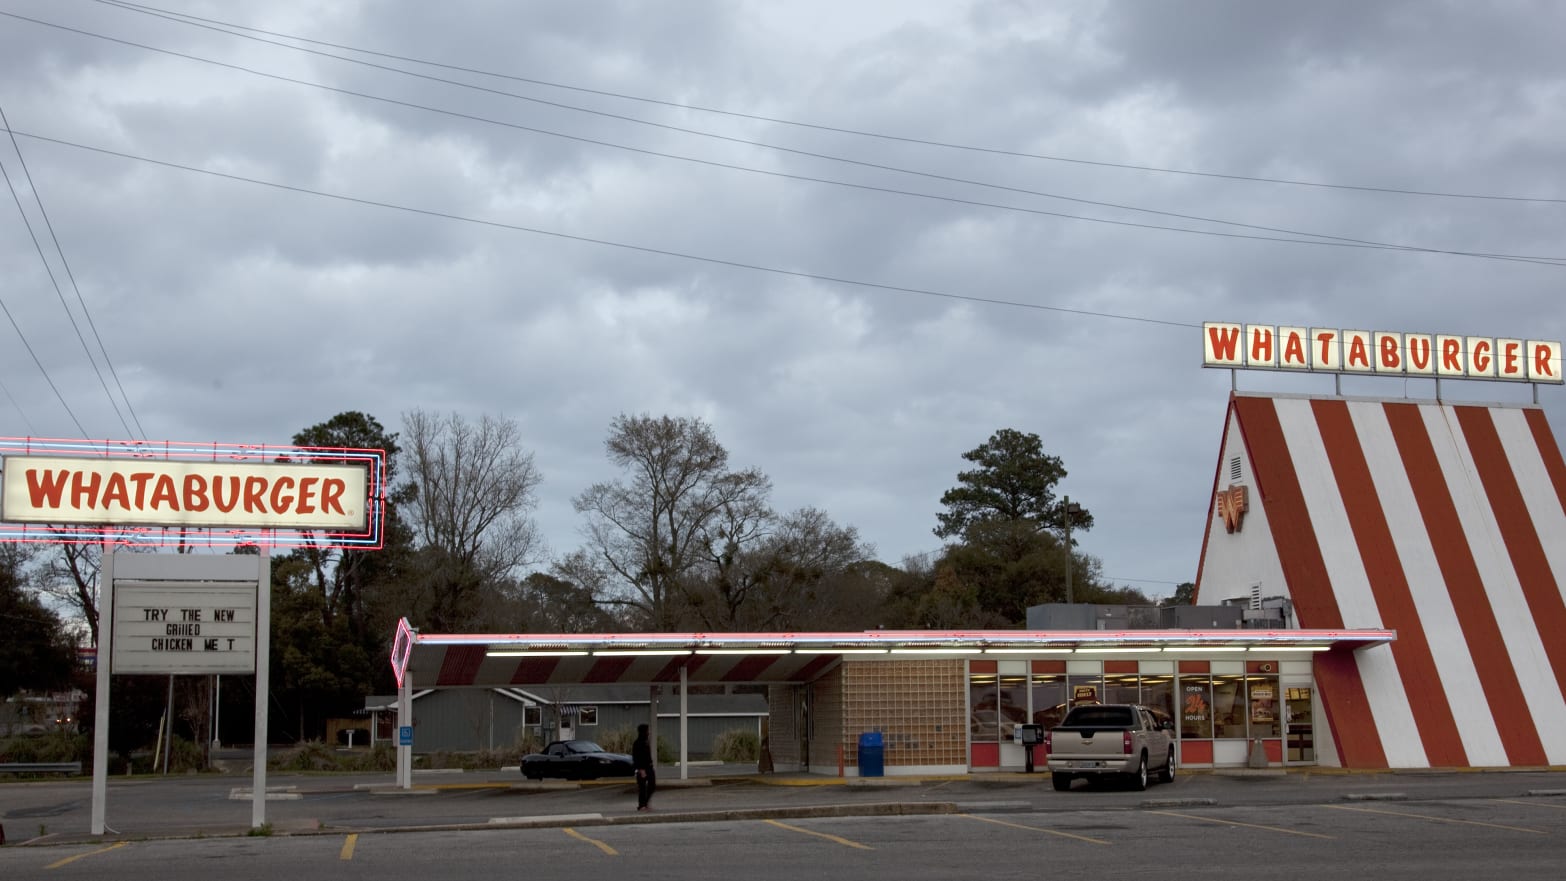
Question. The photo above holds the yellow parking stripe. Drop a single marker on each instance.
(843, 841)
(593, 841)
(1532, 803)
(1438, 819)
(58, 863)
(348, 843)
(1282, 829)
(1037, 829)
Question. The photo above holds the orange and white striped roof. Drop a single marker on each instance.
(1445, 523)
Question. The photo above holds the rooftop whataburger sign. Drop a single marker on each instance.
(1376, 352)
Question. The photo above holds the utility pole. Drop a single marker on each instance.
(1066, 510)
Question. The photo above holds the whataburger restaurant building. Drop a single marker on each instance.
(1418, 548)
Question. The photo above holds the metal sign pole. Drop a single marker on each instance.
(263, 684)
(100, 711)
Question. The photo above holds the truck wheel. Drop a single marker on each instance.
(1061, 781)
(1139, 779)
(1167, 775)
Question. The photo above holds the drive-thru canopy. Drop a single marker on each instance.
(813, 666)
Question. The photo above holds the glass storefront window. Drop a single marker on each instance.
(1013, 704)
(983, 708)
(1229, 707)
(1301, 743)
(1264, 705)
(1049, 699)
(1196, 706)
(1158, 694)
(1121, 688)
(1085, 689)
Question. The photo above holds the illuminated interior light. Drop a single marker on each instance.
(838, 651)
(609, 653)
(933, 650)
(742, 651)
(1032, 651)
(1204, 648)
(529, 653)
(1291, 648)
(1108, 650)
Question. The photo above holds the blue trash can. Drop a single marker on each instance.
(872, 760)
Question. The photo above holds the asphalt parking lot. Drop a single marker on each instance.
(38, 813)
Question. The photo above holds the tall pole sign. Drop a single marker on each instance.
(188, 613)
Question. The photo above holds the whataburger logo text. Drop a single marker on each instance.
(1439, 356)
(1232, 505)
(58, 489)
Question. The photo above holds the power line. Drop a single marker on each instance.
(177, 16)
(752, 143)
(17, 327)
(9, 397)
(718, 261)
(38, 198)
(1317, 238)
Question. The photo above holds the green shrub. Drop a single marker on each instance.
(618, 740)
(381, 757)
(528, 742)
(737, 745)
(55, 746)
(310, 755)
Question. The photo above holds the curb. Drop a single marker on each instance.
(803, 812)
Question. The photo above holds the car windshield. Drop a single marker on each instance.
(585, 746)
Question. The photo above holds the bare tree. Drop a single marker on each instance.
(473, 489)
(71, 577)
(649, 530)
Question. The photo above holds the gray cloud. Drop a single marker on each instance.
(241, 313)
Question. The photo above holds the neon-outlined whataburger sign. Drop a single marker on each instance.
(67, 489)
(1329, 350)
(160, 493)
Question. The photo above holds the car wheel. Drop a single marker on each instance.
(1061, 781)
(1139, 779)
(532, 775)
(1167, 775)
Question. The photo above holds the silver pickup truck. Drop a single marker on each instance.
(1111, 740)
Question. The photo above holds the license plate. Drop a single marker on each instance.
(1087, 764)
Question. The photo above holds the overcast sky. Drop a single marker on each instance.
(600, 207)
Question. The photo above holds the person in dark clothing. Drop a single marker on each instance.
(646, 771)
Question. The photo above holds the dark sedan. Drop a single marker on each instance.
(576, 760)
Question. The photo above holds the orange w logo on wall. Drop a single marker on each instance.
(1232, 506)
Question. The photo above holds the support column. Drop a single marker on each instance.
(263, 684)
(100, 718)
(652, 721)
(404, 717)
(685, 752)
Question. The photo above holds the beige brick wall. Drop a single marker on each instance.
(919, 707)
(783, 735)
(826, 704)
